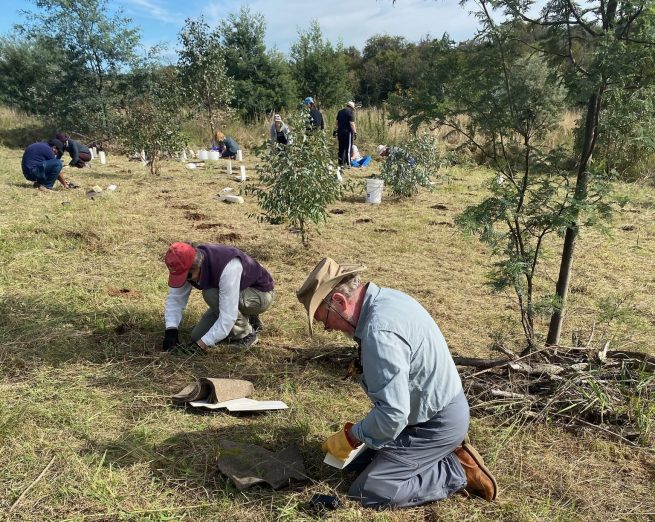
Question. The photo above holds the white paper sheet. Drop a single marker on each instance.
(331, 460)
(243, 404)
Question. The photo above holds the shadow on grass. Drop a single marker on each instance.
(126, 343)
(21, 137)
(189, 460)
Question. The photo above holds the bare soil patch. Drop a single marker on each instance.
(127, 293)
(206, 226)
(195, 216)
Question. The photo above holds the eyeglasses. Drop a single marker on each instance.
(329, 307)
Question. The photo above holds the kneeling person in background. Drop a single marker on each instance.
(230, 147)
(235, 287)
(79, 153)
(357, 160)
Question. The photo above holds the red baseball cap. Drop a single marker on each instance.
(179, 259)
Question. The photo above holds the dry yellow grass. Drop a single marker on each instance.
(83, 379)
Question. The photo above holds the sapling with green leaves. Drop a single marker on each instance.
(297, 181)
(152, 121)
(505, 105)
(530, 192)
(595, 49)
(599, 48)
(201, 61)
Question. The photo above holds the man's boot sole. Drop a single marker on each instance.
(480, 462)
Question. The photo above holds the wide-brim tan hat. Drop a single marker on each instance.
(326, 275)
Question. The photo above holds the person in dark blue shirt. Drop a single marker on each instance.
(40, 164)
(346, 132)
(230, 146)
(315, 120)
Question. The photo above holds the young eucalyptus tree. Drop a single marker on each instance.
(593, 48)
(599, 46)
(297, 181)
(204, 76)
(152, 117)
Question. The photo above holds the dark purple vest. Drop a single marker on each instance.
(217, 256)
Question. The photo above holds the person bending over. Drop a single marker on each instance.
(417, 449)
(40, 165)
(79, 153)
(235, 287)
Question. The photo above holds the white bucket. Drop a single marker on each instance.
(229, 167)
(243, 172)
(203, 155)
(103, 159)
(374, 190)
(214, 155)
(239, 155)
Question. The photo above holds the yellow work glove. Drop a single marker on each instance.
(341, 443)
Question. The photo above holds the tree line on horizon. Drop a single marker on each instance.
(71, 58)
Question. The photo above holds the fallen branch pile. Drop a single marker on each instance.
(609, 392)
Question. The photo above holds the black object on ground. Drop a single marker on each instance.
(320, 502)
(256, 323)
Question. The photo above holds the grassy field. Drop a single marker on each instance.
(83, 380)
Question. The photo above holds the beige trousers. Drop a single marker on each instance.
(251, 302)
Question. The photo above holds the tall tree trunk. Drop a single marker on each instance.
(580, 195)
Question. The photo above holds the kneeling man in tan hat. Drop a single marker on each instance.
(415, 432)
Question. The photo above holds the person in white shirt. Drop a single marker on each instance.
(235, 287)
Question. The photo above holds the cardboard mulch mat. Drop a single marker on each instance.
(213, 391)
(248, 465)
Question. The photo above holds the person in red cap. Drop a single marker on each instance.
(235, 287)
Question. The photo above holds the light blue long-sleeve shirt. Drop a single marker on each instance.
(408, 372)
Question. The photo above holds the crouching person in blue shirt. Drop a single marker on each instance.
(40, 164)
(415, 433)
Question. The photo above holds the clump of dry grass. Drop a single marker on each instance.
(83, 378)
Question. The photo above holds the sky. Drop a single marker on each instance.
(351, 21)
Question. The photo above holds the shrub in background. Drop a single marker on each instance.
(152, 122)
(406, 169)
(626, 139)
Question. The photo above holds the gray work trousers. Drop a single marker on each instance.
(251, 302)
(419, 466)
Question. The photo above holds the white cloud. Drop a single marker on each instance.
(353, 21)
(153, 9)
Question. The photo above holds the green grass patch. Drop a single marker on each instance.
(82, 378)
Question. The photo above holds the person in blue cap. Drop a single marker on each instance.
(315, 120)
